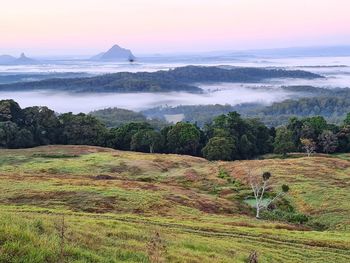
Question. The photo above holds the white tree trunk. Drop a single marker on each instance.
(257, 211)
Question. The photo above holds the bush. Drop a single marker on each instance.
(223, 174)
(291, 217)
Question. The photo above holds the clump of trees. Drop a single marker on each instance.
(227, 137)
(313, 134)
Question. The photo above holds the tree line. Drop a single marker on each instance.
(227, 137)
(312, 134)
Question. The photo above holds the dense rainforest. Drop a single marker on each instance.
(116, 117)
(332, 104)
(227, 137)
(178, 79)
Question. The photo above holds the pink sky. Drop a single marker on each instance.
(148, 26)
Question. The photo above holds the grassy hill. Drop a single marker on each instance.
(114, 206)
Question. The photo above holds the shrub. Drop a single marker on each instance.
(287, 216)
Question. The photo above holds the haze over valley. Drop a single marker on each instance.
(335, 71)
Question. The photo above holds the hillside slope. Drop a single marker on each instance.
(114, 202)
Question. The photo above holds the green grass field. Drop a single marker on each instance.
(115, 203)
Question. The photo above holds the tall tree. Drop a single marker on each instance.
(120, 138)
(284, 141)
(344, 139)
(43, 124)
(295, 125)
(220, 148)
(8, 134)
(82, 129)
(10, 111)
(328, 141)
(183, 138)
(146, 141)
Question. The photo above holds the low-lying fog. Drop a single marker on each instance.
(215, 94)
(335, 69)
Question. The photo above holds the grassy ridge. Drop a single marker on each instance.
(113, 202)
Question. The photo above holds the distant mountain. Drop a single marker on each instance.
(6, 59)
(22, 60)
(115, 53)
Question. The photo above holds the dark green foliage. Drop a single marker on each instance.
(42, 123)
(287, 216)
(223, 174)
(328, 141)
(25, 77)
(115, 117)
(332, 104)
(249, 137)
(10, 111)
(183, 138)
(228, 137)
(146, 141)
(199, 114)
(121, 137)
(24, 139)
(344, 139)
(82, 129)
(219, 148)
(197, 74)
(328, 137)
(8, 134)
(266, 176)
(285, 188)
(284, 141)
(34, 126)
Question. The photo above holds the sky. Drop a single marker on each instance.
(81, 27)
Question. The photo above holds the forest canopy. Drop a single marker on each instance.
(227, 137)
(178, 79)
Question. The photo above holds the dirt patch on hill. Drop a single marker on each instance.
(75, 201)
(202, 203)
(192, 175)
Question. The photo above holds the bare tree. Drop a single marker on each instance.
(308, 145)
(259, 186)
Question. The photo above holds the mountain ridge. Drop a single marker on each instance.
(21, 60)
(115, 53)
